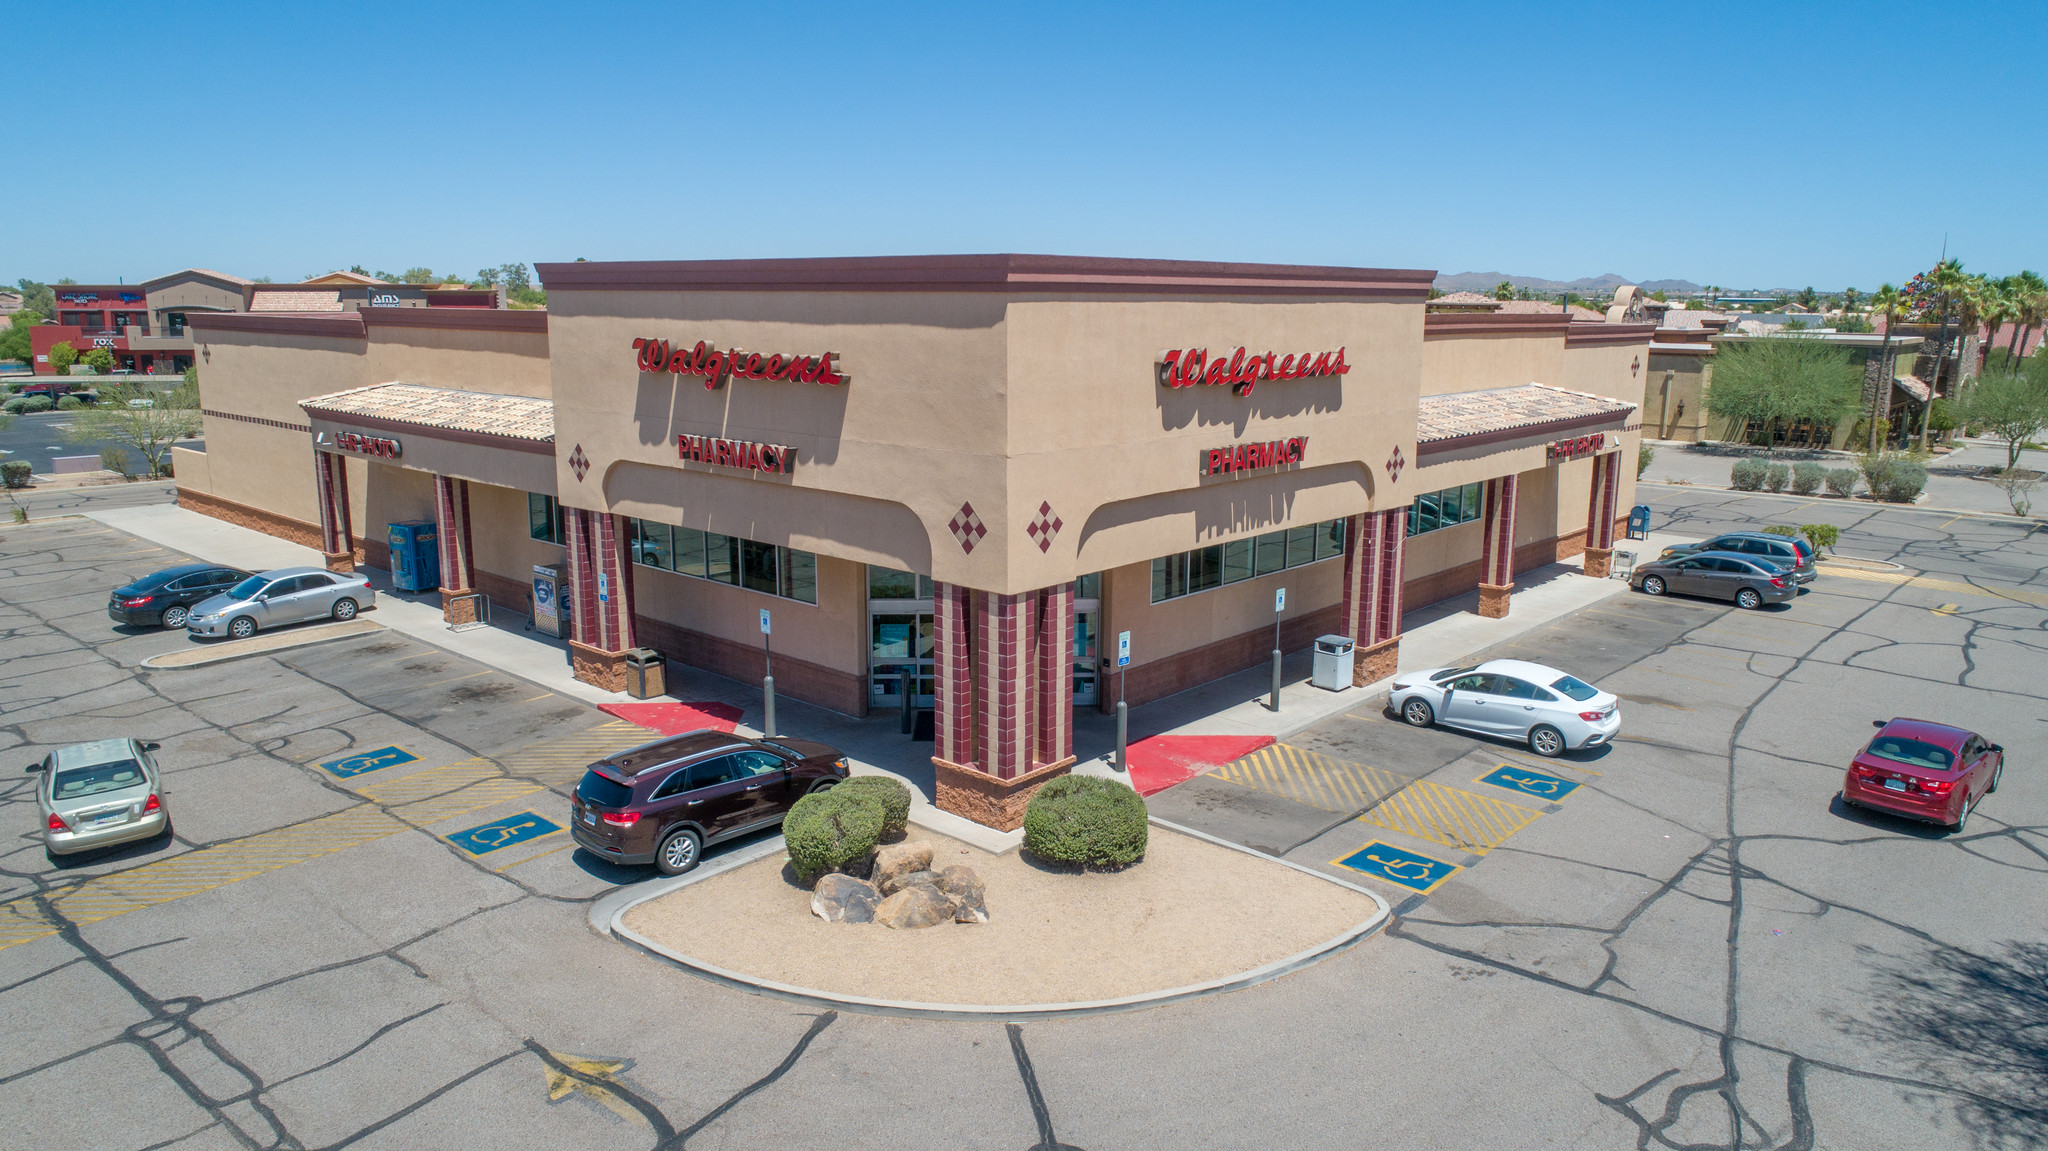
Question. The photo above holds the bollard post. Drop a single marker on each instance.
(1123, 735)
(768, 706)
(909, 689)
(1274, 702)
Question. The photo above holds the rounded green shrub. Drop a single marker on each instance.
(69, 403)
(1086, 821)
(1842, 481)
(1775, 476)
(1747, 475)
(1901, 481)
(1806, 477)
(827, 830)
(16, 473)
(33, 404)
(890, 793)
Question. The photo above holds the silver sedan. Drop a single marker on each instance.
(99, 794)
(287, 595)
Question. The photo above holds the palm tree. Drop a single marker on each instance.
(1505, 290)
(1891, 304)
(2030, 306)
(1950, 283)
(1998, 307)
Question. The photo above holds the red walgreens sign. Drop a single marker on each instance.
(772, 458)
(1251, 457)
(1572, 449)
(1184, 368)
(736, 363)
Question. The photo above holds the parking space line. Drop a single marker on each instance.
(1311, 778)
(1450, 816)
(569, 846)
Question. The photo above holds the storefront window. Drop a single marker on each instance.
(888, 583)
(1219, 564)
(543, 518)
(765, 568)
(1445, 509)
(1088, 586)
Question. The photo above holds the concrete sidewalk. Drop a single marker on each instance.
(1439, 635)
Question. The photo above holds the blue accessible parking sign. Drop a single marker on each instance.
(503, 833)
(368, 761)
(1412, 871)
(1529, 782)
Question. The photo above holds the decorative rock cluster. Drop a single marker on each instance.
(904, 893)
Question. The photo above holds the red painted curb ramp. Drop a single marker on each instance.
(676, 718)
(1164, 760)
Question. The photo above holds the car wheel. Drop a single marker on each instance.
(822, 786)
(1653, 585)
(1418, 712)
(174, 617)
(1546, 741)
(1995, 777)
(1963, 820)
(344, 609)
(678, 852)
(242, 628)
(1748, 599)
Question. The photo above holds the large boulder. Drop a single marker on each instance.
(897, 860)
(969, 894)
(921, 905)
(844, 899)
(896, 883)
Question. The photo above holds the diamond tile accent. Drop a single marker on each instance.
(1395, 463)
(579, 463)
(967, 528)
(1045, 527)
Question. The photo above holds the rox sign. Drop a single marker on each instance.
(1571, 449)
(717, 366)
(368, 445)
(773, 458)
(1186, 367)
(1251, 457)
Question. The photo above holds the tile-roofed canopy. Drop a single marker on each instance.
(1532, 307)
(1915, 387)
(1466, 300)
(431, 410)
(1461, 419)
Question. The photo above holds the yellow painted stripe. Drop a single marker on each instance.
(1930, 583)
(1311, 778)
(1447, 815)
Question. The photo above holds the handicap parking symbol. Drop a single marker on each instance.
(1529, 782)
(503, 833)
(1412, 871)
(368, 761)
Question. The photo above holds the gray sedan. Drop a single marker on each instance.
(99, 794)
(287, 595)
(1751, 581)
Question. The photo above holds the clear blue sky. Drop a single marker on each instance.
(1765, 145)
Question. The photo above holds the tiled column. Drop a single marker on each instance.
(1053, 734)
(337, 539)
(458, 561)
(595, 647)
(952, 676)
(997, 719)
(1498, 550)
(1374, 562)
(1600, 514)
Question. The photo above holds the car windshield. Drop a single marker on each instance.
(247, 588)
(84, 781)
(1912, 752)
(603, 792)
(1450, 673)
(1577, 688)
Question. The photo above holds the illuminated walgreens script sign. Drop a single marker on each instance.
(774, 459)
(1186, 367)
(1572, 449)
(717, 367)
(1252, 457)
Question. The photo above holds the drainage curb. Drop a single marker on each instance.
(607, 916)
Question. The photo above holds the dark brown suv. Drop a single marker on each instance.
(662, 802)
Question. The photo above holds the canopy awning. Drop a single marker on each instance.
(517, 421)
(1461, 420)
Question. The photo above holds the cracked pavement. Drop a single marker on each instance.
(1698, 948)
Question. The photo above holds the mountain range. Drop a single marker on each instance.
(1591, 287)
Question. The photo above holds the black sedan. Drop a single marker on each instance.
(164, 598)
(1751, 581)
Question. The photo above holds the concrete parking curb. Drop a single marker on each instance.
(607, 916)
(245, 649)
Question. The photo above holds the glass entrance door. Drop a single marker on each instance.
(899, 642)
(1087, 639)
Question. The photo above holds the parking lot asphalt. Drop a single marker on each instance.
(1694, 946)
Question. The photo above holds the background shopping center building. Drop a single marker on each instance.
(972, 468)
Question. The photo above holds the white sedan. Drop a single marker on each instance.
(1550, 711)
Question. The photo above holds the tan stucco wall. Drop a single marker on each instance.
(507, 363)
(195, 294)
(828, 633)
(1161, 630)
(497, 528)
(1460, 362)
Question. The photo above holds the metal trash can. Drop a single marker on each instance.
(646, 673)
(1639, 522)
(1334, 656)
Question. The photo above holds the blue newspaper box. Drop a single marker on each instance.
(415, 556)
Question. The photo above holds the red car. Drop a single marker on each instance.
(1924, 770)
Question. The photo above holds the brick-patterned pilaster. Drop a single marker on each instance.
(581, 554)
(1497, 553)
(1600, 506)
(337, 537)
(1053, 737)
(615, 560)
(1374, 558)
(1003, 675)
(953, 675)
(451, 523)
